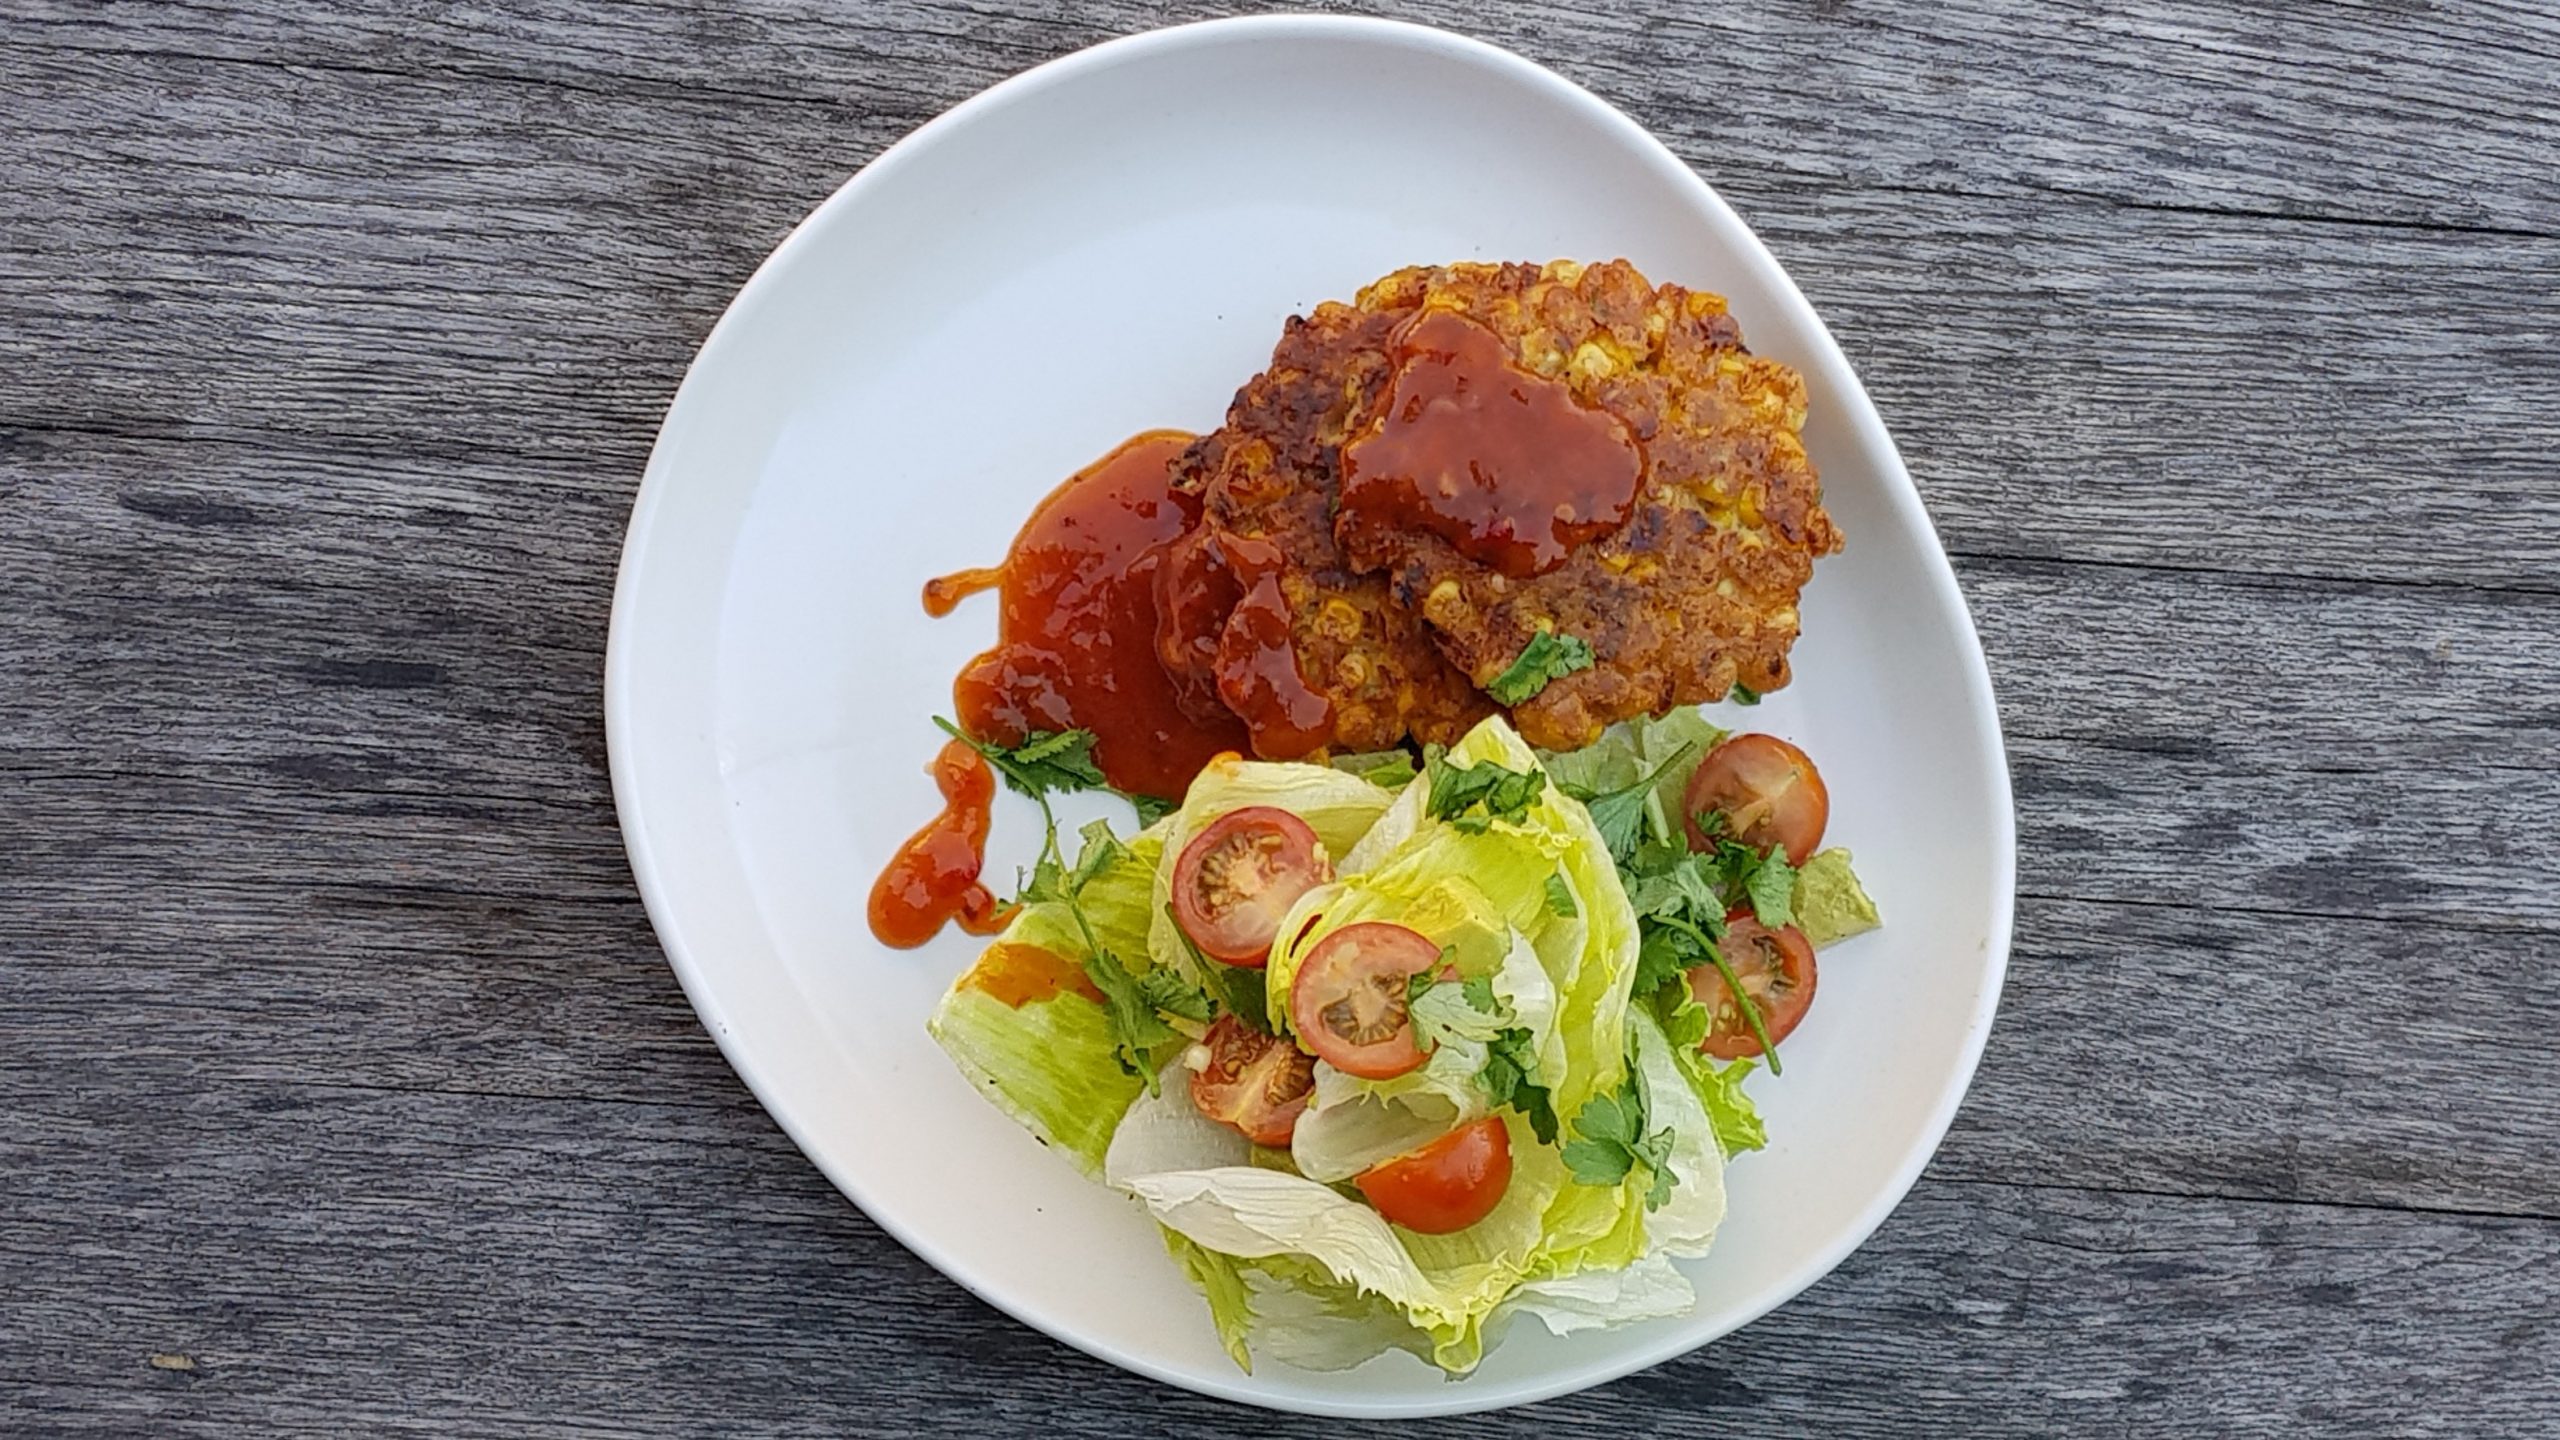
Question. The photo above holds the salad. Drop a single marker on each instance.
(1396, 1051)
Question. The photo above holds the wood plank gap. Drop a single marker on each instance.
(2230, 1197)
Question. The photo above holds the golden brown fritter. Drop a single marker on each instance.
(1309, 653)
(1697, 589)
(1686, 516)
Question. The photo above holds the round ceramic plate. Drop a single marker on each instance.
(1111, 243)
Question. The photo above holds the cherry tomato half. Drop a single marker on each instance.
(1449, 1184)
(1254, 1083)
(1348, 1001)
(1769, 793)
(1776, 971)
(1239, 876)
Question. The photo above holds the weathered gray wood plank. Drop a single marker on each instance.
(2177, 1049)
(329, 1260)
(496, 274)
(2434, 114)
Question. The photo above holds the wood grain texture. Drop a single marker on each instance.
(340, 1071)
(2292, 396)
(331, 1261)
(2438, 115)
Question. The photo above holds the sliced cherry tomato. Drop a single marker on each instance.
(1348, 1002)
(1254, 1083)
(1449, 1184)
(1768, 792)
(1238, 877)
(1776, 971)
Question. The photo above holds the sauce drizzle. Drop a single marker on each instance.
(1507, 466)
(1258, 673)
(1019, 975)
(934, 876)
(943, 593)
(1076, 627)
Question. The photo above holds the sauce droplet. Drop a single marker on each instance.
(1507, 466)
(943, 593)
(1077, 633)
(933, 878)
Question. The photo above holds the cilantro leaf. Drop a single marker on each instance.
(1510, 1077)
(1675, 883)
(1417, 984)
(1560, 897)
(1472, 797)
(1046, 763)
(1549, 655)
(1129, 1001)
(1771, 888)
(1134, 1022)
(1173, 995)
(1663, 957)
(1685, 1022)
(1100, 848)
(1239, 991)
(1620, 814)
(1612, 1142)
(1604, 1151)
(1150, 808)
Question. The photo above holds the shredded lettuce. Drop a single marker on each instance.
(1052, 1063)
(1539, 1015)
(1482, 893)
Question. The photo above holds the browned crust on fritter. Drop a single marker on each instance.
(1697, 591)
(1694, 594)
(1271, 473)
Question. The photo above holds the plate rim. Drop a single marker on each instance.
(1898, 488)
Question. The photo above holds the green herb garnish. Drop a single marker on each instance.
(1742, 694)
(1046, 763)
(1611, 1141)
(1620, 813)
(1560, 897)
(1510, 1077)
(1241, 992)
(1741, 998)
(1549, 655)
(1472, 797)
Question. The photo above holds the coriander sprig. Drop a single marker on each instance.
(1549, 655)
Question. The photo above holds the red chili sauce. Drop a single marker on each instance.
(934, 876)
(1076, 631)
(1507, 466)
(1258, 675)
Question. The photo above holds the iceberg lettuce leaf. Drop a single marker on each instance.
(1051, 1061)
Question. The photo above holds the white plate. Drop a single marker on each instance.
(1110, 243)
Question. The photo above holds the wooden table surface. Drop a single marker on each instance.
(343, 1088)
